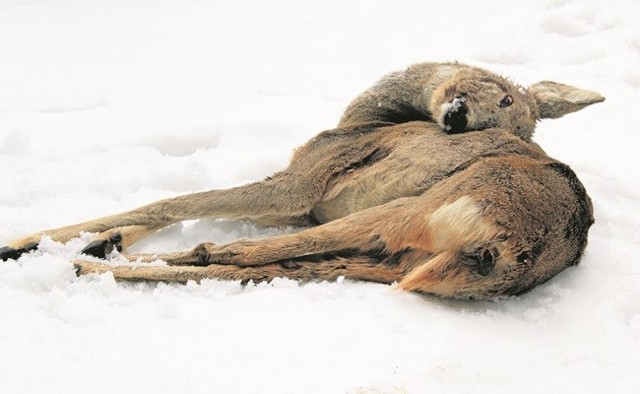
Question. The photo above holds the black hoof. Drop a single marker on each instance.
(100, 248)
(7, 253)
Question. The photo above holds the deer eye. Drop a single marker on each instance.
(506, 101)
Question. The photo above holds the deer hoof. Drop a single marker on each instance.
(7, 252)
(100, 248)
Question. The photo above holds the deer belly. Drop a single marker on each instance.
(364, 188)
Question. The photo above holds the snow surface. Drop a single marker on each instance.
(107, 105)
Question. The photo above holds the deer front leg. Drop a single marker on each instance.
(262, 201)
(117, 231)
(285, 198)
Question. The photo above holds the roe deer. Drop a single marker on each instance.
(470, 215)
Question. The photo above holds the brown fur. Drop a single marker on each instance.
(479, 214)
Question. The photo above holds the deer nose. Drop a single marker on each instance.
(455, 119)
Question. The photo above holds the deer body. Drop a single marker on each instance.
(473, 215)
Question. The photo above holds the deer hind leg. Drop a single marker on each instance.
(448, 274)
(375, 232)
(342, 238)
(355, 268)
(353, 246)
(426, 244)
(413, 223)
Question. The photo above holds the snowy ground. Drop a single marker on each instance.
(107, 105)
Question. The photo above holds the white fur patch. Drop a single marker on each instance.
(457, 224)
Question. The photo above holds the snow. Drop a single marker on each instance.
(105, 106)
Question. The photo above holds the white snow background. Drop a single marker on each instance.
(108, 105)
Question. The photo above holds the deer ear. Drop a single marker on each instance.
(555, 99)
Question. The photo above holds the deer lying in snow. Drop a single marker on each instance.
(404, 190)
